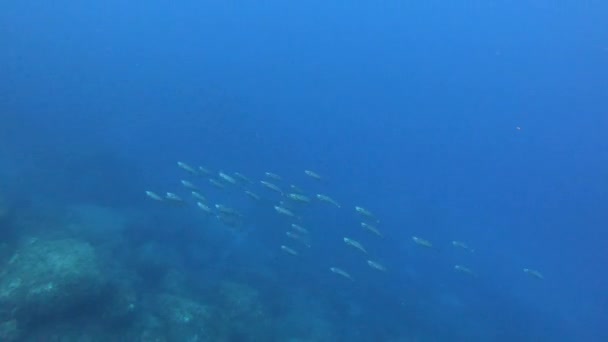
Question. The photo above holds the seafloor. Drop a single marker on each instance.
(88, 273)
(84, 272)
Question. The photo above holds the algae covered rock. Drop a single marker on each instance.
(48, 278)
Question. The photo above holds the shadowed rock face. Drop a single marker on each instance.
(45, 278)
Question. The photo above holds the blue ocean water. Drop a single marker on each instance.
(481, 122)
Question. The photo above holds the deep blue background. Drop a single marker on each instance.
(407, 108)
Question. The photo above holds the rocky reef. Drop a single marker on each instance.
(45, 279)
(79, 275)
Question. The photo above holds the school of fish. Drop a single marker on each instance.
(286, 200)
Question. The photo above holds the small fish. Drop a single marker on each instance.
(298, 198)
(462, 245)
(284, 211)
(272, 176)
(216, 184)
(422, 242)
(252, 195)
(366, 213)
(226, 178)
(465, 270)
(204, 208)
(325, 198)
(186, 167)
(341, 272)
(355, 244)
(242, 178)
(154, 196)
(173, 197)
(376, 265)
(313, 174)
(298, 238)
(198, 196)
(188, 185)
(371, 228)
(288, 250)
(299, 228)
(534, 273)
(272, 187)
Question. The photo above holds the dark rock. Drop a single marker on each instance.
(45, 278)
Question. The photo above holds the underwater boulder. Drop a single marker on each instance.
(185, 319)
(46, 278)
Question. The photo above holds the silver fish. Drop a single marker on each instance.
(154, 196)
